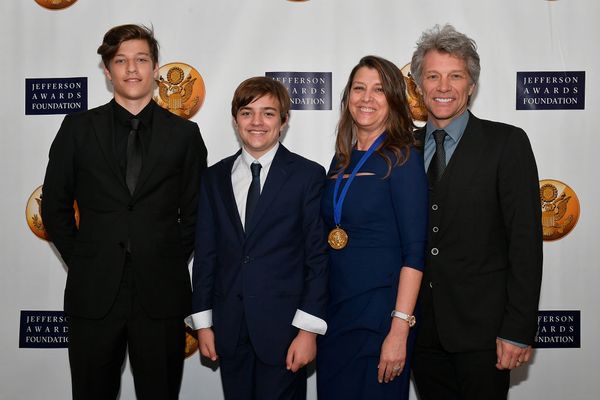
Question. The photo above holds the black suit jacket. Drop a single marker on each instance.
(484, 260)
(278, 265)
(158, 220)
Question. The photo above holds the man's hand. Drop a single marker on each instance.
(302, 350)
(206, 343)
(511, 356)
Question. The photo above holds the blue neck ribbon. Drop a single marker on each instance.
(337, 204)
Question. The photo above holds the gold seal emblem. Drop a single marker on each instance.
(418, 111)
(191, 342)
(55, 4)
(180, 89)
(560, 209)
(337, 238)
(33, 214)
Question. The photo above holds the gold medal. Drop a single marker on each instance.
(338, 238)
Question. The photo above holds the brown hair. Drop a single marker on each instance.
(399, 125)
(257, 87)
(119, 34)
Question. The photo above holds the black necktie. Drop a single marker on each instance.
(253, 192)
(438, 162)
(134, 156)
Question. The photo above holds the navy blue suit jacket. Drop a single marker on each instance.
(278, 265)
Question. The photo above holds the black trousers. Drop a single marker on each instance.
(246, 377)
(441, 375)
(97, 349)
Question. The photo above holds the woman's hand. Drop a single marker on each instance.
(393, 352)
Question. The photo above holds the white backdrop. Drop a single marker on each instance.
(230, 40)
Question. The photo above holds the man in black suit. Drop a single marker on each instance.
(134, 170)
(260, 265)
(482, 280)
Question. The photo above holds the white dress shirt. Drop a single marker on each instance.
(241, 177)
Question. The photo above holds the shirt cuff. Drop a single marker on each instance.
(521, 345)
(199, 320)
(310, 323)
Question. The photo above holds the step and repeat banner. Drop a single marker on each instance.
(539, 71)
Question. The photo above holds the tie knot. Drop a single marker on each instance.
(255, 168)
(439, 136)
(135, 124)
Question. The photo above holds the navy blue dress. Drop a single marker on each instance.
(386, 221)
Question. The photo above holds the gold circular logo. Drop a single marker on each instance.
(55, 4)
(418, 111)
(180, 89)
(191, 341)
(337, 238)
(33, 213)
(560, 209)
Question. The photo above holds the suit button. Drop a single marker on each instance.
(434, 207)
(435, 229)
(435, 251)
(431, 284)
(246, 259)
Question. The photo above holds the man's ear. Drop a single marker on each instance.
(472, 88)
(285, 121)
(107, 73)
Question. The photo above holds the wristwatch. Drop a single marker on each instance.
(410, 319)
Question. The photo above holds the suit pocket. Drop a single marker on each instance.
(82, 254)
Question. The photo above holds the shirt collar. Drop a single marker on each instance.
(455, 129)
(123, 116)
(264, 161)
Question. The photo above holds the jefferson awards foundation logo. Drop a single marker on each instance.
(55, 4)
(33, 214)
(55, 95)
(558, 329)
(560, 209)
(180, 89)
(43, 329)
(308, 90)
(551, 90)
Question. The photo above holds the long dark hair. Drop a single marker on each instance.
(399, 125)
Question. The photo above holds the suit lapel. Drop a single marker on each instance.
(223, 180)
(161, 131)
(278, 174)
(102, 122)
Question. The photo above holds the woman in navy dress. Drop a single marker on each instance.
(375, 205)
